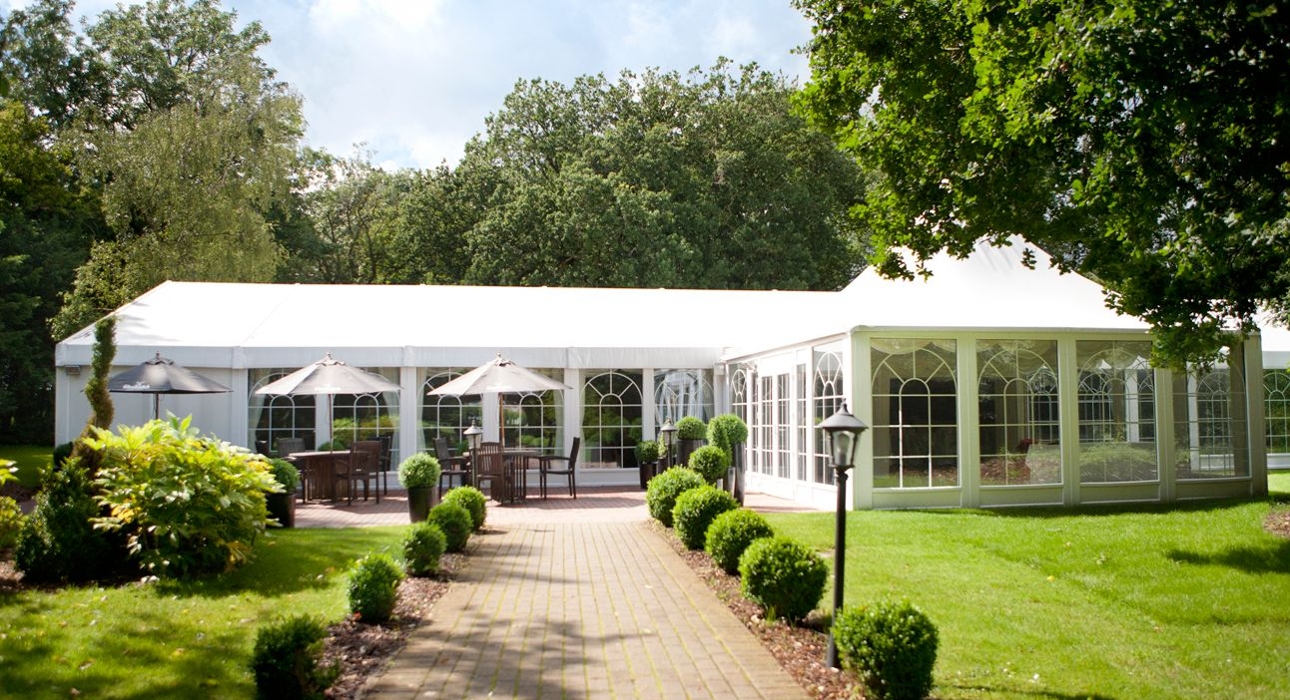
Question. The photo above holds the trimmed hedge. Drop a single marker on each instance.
(663, 490)
(783, 576)
(696, 509)
(423, 547)
(285, 659)
(374, 588)
(455, 522)
(473, 500)
(891, 647)
(731, 533)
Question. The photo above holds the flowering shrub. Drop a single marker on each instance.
(189, 505)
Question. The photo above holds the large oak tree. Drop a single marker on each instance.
(1145, 144)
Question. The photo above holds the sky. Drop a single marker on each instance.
(413, 80)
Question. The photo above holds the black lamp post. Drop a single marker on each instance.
(843, 431)
(473, 435)
(668, 433)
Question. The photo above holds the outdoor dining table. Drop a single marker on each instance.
(516, 463)
(318, 471)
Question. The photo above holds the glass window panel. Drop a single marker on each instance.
(447, 417)
(1116, 412)
(915, 412)
(1206, 416)
(274, 417)
(829, 395)
(1276, 396)
(682, 392)
(1017, 395)
(611, 418)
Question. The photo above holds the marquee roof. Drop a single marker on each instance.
(284, 325)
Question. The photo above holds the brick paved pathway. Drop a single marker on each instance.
(580, 599)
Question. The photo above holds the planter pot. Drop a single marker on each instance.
(649, 470)
(736, 474)
(684, 448)
(282, 507)
(420, 500)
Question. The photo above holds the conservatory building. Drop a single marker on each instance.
(992, 383)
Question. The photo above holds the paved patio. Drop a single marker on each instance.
(568, 598)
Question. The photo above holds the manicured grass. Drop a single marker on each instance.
(29, 459)
(1141, 602)
(185, 640)
(1279, 483)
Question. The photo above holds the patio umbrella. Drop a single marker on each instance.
(162, 376)
(328, 377)
(501, 376)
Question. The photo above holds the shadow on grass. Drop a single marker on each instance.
(1251, 560)
(290, 561)
(1041, 512)
(1052, 694)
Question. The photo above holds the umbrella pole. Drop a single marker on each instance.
(156, 405)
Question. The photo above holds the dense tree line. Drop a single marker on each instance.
(1143, 143)
(155, 143)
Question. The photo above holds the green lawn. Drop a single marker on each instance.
(1146, 602)
(29, 460)
(1279, 483)
(174, 640)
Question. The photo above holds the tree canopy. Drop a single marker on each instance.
(654, 179)
(1143, 144)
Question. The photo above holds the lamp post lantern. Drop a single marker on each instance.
(668, 433)
(473, 435)
(843, 432)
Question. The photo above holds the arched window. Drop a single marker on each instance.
(682, 392)
(1019, 430)
(367, 416)
(444, 416)
(275, 417)
(1204, 425)
(829, 395)
(611, 418)
(1276, 392)
(1117, 411)
(915, 414)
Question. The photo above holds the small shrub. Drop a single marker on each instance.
(423, 547)
(648, 451)
(730, 534)
(374, 588)
(285, 659)
(188, 505)
(58, 541)
(696, 509)
(473, 500)
(661, 494)
(11, 519)
(726, 431)
(890, 646)
(285, 473)
(420, 471)
(455, 522)
(711, 462)
(691, 428)
(783, 576)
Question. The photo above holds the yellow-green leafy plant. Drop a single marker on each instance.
(188, 504)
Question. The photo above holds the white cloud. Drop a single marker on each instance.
(414, 79)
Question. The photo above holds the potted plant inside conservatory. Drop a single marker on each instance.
(647, 456)
(690, 433)
(282, 505)
(419, 474)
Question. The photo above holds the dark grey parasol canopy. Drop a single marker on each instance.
(162, 376)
